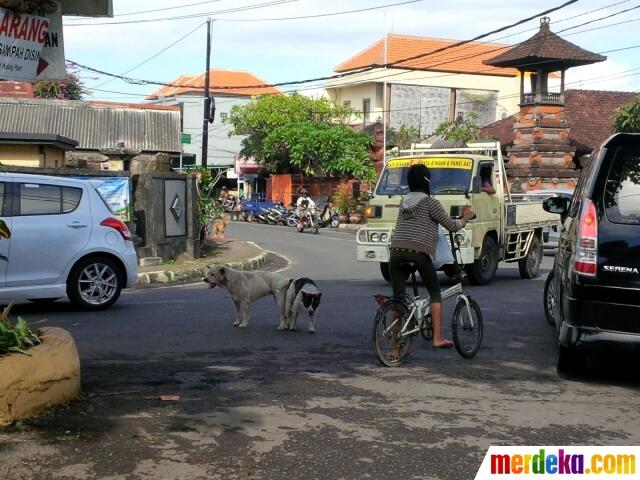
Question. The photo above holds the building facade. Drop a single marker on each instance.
(427, 89)
(98, 135)
(228, 88)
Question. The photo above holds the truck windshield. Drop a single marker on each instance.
(448, 176)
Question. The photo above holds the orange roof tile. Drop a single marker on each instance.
(466, 58)
(227, 79)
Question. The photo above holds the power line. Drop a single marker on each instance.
(154, 56)
(194, 15)
(155, 10)
(352, 74)
(339, 75)
(320, 15)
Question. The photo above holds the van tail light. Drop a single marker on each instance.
(586, 259)
(119, 226)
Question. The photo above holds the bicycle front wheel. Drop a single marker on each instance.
(388, 345)
(467, 327)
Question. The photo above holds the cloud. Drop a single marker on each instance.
(297, 49)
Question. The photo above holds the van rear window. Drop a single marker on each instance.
(622, 191)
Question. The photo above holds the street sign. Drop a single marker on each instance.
(22, 38)
(185, 138)
(52, 60)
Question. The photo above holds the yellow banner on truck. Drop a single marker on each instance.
(433, 162)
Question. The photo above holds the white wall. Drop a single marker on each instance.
(363, 86)
(222, 148)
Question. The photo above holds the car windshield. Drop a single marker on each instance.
(449, 176)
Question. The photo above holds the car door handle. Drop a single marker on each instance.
(77, 225)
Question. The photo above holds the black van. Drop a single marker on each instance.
(595, 285)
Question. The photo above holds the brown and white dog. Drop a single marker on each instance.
(246, 287)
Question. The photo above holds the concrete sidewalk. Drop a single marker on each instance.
(236, 254)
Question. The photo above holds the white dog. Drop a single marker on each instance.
(247, 287)
(302, 294)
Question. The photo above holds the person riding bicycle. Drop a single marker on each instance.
(304, 205)
(415, 240)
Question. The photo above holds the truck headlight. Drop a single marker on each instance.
(384, 237)
(374, 237)
(461, 237)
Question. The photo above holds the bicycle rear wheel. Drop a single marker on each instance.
(388, 347)
(467, 327)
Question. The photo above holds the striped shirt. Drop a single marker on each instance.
(417, 224)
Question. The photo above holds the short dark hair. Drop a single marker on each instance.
(419, 179)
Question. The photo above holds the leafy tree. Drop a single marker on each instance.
(299, 134)
(627, 118)
(71, 88)
(461, 129)
(318, 149)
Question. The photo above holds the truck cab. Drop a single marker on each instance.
(505, 228)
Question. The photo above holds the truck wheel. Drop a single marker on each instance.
(384, 270)
(484, 268)
(530, 265)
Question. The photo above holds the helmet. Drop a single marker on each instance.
(224, 188)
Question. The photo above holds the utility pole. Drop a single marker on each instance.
(207, 101)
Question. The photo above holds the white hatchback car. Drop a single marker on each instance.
(61, 239)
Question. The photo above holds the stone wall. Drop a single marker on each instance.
(153, 213)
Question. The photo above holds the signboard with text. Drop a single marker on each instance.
(22, 38)
(52, 61)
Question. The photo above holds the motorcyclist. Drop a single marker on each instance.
(304, 205)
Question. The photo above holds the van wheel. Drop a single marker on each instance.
(550, 298)
(94, 283)
(484, 268)
(384, 270)
(529, 266)
(570, 361)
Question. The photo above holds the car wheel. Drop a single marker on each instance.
(384, 270)
(482, 271)
(95, 283)
(529, 266)
(569, 360)
(550, 298)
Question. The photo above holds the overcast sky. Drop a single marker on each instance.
(305, 48)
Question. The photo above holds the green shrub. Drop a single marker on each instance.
(15, 338)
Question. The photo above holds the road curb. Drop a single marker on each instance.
(167, 277)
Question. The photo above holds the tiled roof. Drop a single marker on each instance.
(588, 114)
(545, 49)
(466, 58)
(190, 84)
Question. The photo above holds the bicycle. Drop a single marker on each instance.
(397, 322)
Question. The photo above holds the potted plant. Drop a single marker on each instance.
(344, 203)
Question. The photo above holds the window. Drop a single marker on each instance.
(622, 191)
(347, 103)
(223, 116)
(41, 199)
(366, 109)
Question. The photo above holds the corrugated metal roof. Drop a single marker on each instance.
(95, 127)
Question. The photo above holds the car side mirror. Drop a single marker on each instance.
(558, 205)
(476, 185)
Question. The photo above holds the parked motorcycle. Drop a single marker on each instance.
(328, 217)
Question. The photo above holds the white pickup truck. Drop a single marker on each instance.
(507, 228)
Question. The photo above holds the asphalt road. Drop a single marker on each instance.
(263, 404)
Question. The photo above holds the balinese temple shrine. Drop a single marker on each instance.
(541, 156)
